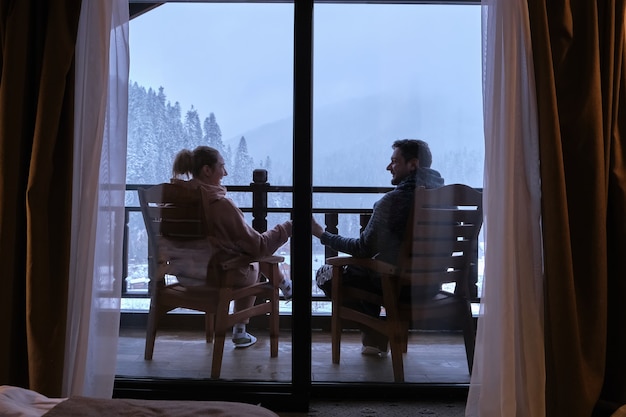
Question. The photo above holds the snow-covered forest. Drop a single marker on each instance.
(158, 129)
(351, 146)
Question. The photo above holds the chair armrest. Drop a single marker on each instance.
(240, 261)
(271, 259)
(373, 264)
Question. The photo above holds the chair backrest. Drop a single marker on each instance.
(442, 237)
(175, 221)
(173, 211)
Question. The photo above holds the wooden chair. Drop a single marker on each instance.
(440, 247)
(179, 246)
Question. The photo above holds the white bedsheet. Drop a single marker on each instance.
(20, 402)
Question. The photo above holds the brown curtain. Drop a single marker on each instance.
(36, 135)
(580, 71)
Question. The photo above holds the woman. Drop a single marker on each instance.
(231, 234)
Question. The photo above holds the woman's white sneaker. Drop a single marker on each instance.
(244, 340)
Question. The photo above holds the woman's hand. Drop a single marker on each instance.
(316, 229)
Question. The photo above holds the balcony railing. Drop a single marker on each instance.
(136, 284)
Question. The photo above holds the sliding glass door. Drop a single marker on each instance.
(313, 95)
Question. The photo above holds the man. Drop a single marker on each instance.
(383, 235)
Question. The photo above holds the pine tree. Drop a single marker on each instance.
(143, 141)
(193, 129)
(228, 160)
(164, 145)
(213, 133)
(133, 161)
(268, 164)
(243, 164)
(173, 140)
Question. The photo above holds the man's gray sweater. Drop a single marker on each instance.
(383, 235)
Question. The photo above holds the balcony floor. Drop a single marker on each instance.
(433, 357)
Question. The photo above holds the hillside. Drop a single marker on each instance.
(352, 140)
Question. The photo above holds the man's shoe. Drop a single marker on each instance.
(375, 340)
(373, 351)
(285, 288)
(244, 340)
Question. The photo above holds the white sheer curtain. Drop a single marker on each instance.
(101, 114)
(508, 378)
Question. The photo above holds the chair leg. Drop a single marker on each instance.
(223, 324)
(335, 334)
(397, 362)
(398, 346)
(218, 354)
(274, 323)
(151, 329)
(469, 336)
(335, 318)
(209, 326)
(405, 341)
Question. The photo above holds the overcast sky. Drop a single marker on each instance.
(236, 60)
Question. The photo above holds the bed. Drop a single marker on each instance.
(20, 402)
